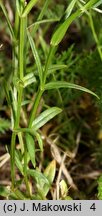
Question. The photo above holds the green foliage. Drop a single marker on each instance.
(4, 125)
(44, 117)
(31, 148)
(60, 32)
(4, 192)
(100, 188)
(41, 74)
(60, 84)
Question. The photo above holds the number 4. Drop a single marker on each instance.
(93, 207)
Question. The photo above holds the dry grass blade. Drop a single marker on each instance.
(4, 159)
(57, 156)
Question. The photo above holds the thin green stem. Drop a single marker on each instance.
(51, 53)
(41, 90)
(95, 35)
(16, 26)
(42, 13)
(21, 47)
(35, 106)
(25, 170)
(7, 20)
(20, 93)
(13, 139)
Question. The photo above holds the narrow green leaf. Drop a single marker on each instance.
(42, 13)
(54, 68)
(40, 141)
(6, 89)
(28, 76)
(60, 32)
(11, 100)
(7, 20)
(90, 4)
(18, 7)
(29, 79)
(19, 195)
(64, 84)
(18, 162)
(31, 147)
(43, 21)
(25, 81)
(18, 83)
(25, 102)
(36, 56)
(38, 176)
(4, 192)
(4, 125)
(44, 117)
(28, 130)
(98, 4)
(28, 8)
(70, 8)
(21, 142)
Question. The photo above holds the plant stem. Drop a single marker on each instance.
(41, 89)
(25, 171)
(42, 13)
(35, 106)
(51, 53)
(20, 93)
(16, 26)
(7, 20)
(21, 47)
(13, 139)
(95, 35)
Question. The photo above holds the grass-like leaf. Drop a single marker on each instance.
(28, 8)
(44, 117)
(36, 56)
(40, 141)
(64, 84)
(31, 147)
(60, 32)
(29, 79)
(56, 67)
(98, 3)
(38, 176)
(4, 192)
(20, 196)
(18, 162)
(4, 125)
(18, 6)
(70, 8)
(43, 21)
(7, 20)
